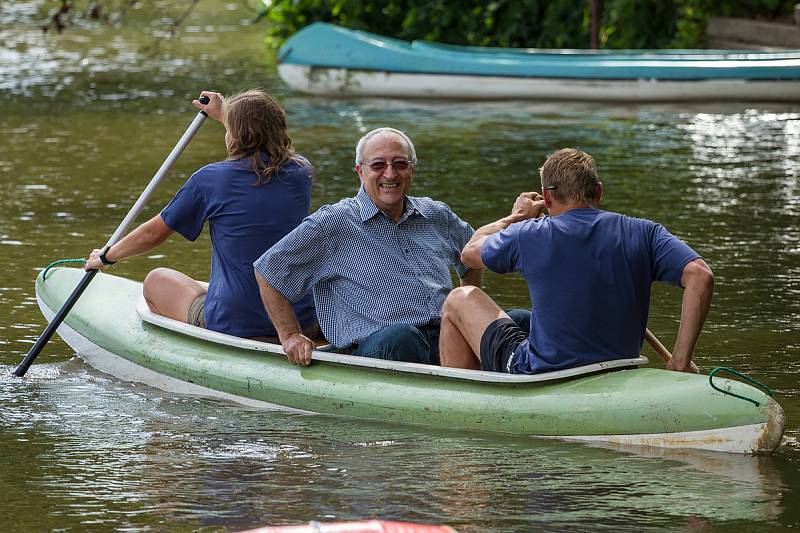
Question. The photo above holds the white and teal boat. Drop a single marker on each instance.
(326, 59)
(618, 402)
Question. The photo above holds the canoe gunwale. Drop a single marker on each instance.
(189, 330)
(563, 77)
(684, 54)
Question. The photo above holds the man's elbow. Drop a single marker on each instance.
(264, 285)
(471, 258)
(699, 275)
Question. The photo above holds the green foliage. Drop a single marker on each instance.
(638, 24)
(522, 23)
(508, 23)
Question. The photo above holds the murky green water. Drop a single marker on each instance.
(88, 116)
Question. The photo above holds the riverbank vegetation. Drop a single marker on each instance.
(610, 24)
(525, 23)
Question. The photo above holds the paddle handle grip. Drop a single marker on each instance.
(22, 368)
(204, 100)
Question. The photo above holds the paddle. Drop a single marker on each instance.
(657, 345)
(661, 349)
(22, 368)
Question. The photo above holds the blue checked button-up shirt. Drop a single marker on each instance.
(367, 271)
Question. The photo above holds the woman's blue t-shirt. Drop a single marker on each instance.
(244, 221)
(589, 274)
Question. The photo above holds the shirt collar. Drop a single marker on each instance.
(368, 208)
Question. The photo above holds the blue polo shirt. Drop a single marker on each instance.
(367, 271)
(589, 274)
(244, 220)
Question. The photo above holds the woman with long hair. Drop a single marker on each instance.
(258, 194)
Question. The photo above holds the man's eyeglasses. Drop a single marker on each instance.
(398, 165)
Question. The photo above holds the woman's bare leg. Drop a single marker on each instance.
(170, 293)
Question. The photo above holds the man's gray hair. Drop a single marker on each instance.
(379, 131)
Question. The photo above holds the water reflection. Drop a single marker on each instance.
(122, 455)
(90, 115)
(113, 454)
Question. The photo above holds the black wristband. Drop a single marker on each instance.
(105, 260)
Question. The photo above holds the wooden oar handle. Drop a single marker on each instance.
(656, 345)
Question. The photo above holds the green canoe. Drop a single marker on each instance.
(112, 329)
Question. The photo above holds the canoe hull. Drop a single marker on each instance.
(640, 406)
(326, 59)
(348, 82)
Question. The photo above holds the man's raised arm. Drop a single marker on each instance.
(528, 205)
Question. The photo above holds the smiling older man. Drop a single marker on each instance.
(378, 263)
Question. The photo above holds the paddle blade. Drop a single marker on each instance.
(51, 328)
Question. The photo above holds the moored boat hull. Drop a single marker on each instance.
(325, 59)
(636, 406)
(347, 82)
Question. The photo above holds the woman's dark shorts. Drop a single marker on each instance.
(498, 343)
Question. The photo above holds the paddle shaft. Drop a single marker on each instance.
(657, 346)
(59, 317)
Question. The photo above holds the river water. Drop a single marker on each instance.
(90, 114)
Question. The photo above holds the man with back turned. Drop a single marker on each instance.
(589, 274)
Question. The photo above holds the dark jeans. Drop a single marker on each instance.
(403, 342)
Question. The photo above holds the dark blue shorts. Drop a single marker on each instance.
(498, 343)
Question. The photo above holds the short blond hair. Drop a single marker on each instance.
(570, 175)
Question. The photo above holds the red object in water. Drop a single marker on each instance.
(364, 526)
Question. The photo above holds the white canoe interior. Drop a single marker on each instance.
(474, 375)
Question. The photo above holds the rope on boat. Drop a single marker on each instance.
(738, 374)
(60, 262)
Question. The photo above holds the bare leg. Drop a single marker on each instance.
(170, 293)
(466, 314)
(454, 351)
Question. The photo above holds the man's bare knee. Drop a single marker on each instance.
(454, 301)
(464, 295)
(459, 302)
